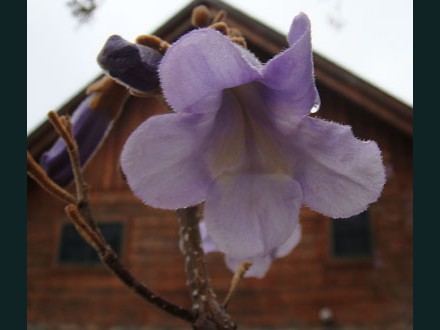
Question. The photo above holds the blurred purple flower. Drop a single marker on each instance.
(242, 140)
(91, 121)
(260, 265)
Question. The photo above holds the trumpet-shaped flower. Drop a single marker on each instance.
(241, 139)
(260, 265)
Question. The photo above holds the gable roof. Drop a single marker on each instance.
(265, 42)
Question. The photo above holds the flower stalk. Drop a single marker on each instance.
(209, 313)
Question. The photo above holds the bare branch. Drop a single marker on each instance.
(78, 210)
(111, 260)
(64, 128)
(95, 240)
(37, 173)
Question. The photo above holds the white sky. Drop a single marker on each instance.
(371, 38)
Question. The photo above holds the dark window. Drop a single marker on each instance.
(351, 237)
(74, 250)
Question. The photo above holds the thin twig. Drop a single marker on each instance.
(82, 216)
(59, 127)
(95, 240)
(115, 265)
(111, 260)
(39, 175)
(235, 280)
(64, 129)
(78, 210)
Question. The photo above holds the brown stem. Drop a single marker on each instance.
(94, 239)
(210, 314)
(111, 260)
(64, 129)
(37, 173)
(78, 210)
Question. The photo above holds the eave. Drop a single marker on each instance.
(268, 42)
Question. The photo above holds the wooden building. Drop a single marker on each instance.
(361, 273)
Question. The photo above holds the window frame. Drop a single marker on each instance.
(354, 256)
(59, 264)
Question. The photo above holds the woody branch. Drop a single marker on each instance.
(78, 210)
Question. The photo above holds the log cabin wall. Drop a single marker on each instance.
(373, 292)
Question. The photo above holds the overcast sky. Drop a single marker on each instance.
(371, 38)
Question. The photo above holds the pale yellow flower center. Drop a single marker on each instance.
(249, 140)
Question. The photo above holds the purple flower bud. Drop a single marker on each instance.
(132, 65)
(91, 121)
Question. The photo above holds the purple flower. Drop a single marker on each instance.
(132, 65)
(260, 265)
(91, 121)
(242, 140)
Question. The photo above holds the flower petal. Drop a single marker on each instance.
(339, 174)
(260, 265)
(208, 244)
(290, 75)
(132, 65)
(290, 244)
(251, 214)
(205, 62)
(162, 160)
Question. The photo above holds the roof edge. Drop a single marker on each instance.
(354, 88)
